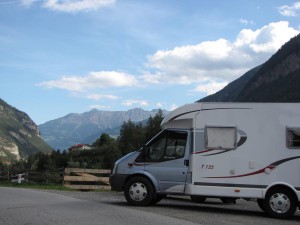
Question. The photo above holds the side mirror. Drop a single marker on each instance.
(143, 152)
(141, 157)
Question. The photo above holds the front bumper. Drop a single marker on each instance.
(117, 181)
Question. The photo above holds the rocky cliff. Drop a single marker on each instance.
(19, 135)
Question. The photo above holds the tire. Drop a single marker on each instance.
(280, 203)
(198, 198)
(260, 203)
(139, 191)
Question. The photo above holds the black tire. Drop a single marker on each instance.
(198, 198)
(280, 203)
(228, 200)
(139, 191)
(260, 203)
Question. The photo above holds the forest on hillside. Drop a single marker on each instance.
(106, 150)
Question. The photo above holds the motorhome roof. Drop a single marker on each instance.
(181, 111)
(188, 111)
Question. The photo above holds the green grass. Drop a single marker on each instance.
(35, 186)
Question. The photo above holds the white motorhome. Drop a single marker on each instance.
(224, 150)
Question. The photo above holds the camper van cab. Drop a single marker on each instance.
(223, 150)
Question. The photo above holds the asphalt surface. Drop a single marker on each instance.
(30, 207)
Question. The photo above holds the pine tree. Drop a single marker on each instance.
(153, 125)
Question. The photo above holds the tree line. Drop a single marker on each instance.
(106, 150)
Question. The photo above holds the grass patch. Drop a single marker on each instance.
(36, 186)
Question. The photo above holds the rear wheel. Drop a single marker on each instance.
(280, 203)
(139, 191)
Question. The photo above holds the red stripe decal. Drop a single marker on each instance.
(248, 174)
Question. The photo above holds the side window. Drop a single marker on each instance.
(220, 137)
(169, 146)
(157, 148)
(175, 145)
(293, 137)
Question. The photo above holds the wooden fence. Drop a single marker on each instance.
(39, 177)
(86, 179)
(75, 178)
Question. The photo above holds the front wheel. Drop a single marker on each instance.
(139, 191)
(280, 203)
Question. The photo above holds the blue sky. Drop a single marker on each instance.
(70, 56)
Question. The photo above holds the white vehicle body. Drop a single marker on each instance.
(234, 150)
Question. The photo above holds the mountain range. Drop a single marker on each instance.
(85, 128)
(19, 135)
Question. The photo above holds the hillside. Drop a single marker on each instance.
(277, 80)
(19, 135)
(85, 128)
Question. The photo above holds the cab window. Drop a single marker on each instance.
(169, 145)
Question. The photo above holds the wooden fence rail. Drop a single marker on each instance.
(86, 179)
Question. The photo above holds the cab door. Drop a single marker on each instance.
(166, 160)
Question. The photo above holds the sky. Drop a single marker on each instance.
(71, 56)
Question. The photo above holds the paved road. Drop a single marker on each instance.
(30, 207)
(212, 212)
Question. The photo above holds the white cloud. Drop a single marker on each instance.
(173, 107)
(76, 5)
(94, 80)
(132, 102)
(246, 22)
(220, 60)
(99, 96)
(293, 10)
(28, 2)
(71, 6)
(210, 88)
(99, 107)
(159, 105)
(270, 38)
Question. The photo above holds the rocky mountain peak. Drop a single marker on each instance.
(77, 128)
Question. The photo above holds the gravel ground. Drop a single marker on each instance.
(213, 211)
